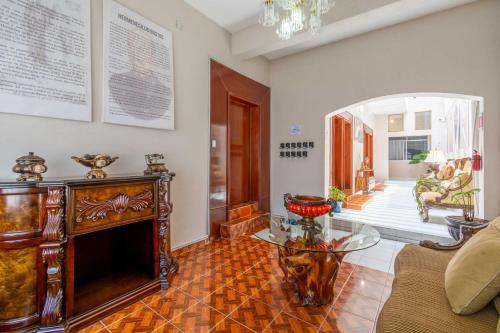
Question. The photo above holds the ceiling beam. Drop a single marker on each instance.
(259, 41)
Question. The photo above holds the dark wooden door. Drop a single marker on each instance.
(368, 146)
(231, 92)
(341, 152)
(239, 152)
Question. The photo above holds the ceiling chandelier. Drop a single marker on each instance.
(290, 16)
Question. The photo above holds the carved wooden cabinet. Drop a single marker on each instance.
(73, 250)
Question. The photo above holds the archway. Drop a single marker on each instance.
(359, 107)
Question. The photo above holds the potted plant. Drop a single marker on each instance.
(337, 195)
(466, 200)
(418, 158)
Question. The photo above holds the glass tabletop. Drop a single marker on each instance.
(329, 236)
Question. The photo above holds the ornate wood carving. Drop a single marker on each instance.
(52, 311)
(168, 264)
(91, 209)
(54, 227)
(311, 274)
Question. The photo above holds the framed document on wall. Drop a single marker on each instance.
(138, 87)
(45, 58)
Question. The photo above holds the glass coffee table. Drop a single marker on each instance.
(310, 256)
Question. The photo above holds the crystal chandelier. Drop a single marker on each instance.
(291, 15)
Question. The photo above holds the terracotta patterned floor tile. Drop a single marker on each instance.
(314, 315)
(274, 294)
(171, 303)
(345, 322)
(198, 318)
(190, 270)
(252, 256)
(285, 323)
(270, 256)
(144, 320)
(238, 246)
(225, 300)
(200, 287)
(242, 278)
(238, 260)
(230, 326)
(223, 257)
(243, 263)
(222, 275)
(247, 284)
(122, 313)
(357, 304)
(265, 253)
(365, 288)
(94, 328)
(167, 328)
(194, 255)
(254, 314)
(201, 245)
(264, 245)
(264, 271)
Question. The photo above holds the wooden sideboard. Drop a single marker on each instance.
(73, 250)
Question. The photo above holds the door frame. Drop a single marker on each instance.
(225, 83)
(255, 143)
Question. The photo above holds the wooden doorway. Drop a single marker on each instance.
(341, 152)
(242, 118)
(240, 151)
(368, 146)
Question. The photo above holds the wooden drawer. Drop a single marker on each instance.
(99, 207)
(20, 285)
(21, 215)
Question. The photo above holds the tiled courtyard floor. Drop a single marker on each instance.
(235, 286)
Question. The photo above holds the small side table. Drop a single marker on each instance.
(454, 223)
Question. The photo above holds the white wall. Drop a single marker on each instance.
(456, 51)
(186, 148)
(381, 148)
(358, 147)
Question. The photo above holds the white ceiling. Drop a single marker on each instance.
(233, 15)
(347, 19)
(402, 104)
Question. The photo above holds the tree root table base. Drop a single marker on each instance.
(311, 274)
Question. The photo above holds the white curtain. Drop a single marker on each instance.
(460, 123)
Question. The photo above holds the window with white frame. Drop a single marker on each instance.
(423, 120)
(404, 147)
(396, 122)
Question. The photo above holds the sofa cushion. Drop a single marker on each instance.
(446, 172)
(472, 278)
(418, 304)
(430, 196)
(415, 258)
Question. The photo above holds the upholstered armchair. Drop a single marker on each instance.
(437, 190)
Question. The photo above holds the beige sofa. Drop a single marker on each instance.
(418, 302)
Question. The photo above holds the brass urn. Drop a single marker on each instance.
(96, 163)
(155, 164)
(30, 167)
